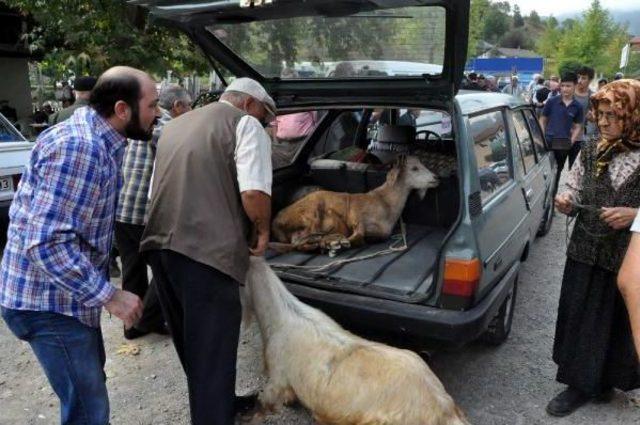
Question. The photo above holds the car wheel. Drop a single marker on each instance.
(547, 220)
(500, 326)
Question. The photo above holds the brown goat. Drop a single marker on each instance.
(325, 218)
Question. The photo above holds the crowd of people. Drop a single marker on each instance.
(122, 160)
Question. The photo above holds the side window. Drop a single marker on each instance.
(288, 133)
(536, 133)
(524, 140)
(491, 149)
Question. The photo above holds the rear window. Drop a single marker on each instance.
(406, 41)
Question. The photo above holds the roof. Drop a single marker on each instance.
(476, 101)
(635, 40)
(515, 53)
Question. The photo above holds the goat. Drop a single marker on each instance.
(341, 378)
(313, 221)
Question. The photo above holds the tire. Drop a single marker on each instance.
(500, 326)
(547, 220)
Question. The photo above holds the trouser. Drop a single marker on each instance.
(202, 308)
(561, 159)
(72, 356)
(134, 275)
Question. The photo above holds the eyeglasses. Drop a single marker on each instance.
(609, 116)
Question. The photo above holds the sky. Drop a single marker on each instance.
(555, 7)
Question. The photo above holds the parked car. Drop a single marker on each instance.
(15, 151)
(466, 239)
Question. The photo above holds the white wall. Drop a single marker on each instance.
(14, 84)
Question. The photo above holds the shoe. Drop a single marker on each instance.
(244, 404)
(605, 396)
(567, 402)
(133, 333)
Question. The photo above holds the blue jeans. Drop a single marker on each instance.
(72, 356)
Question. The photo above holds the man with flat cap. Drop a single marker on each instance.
(54, 277)
(210, 210)
(82, 87)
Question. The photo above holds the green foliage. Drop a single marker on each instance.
(89, 36)
(477, 16)
(517, 38)
(496, 24)
(534, 19)
(518, 20)
(569, 65)
(593, 39)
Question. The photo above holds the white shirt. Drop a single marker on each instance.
(253, 156)
(635, 227)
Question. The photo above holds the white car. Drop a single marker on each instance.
(15, 151)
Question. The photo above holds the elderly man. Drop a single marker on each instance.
(82, 87)
(54, 275)
(513, 88)
(132, 210)
(211, 193)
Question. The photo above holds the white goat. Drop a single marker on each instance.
(341, 378)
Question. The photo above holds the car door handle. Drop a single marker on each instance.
(545, 175)
(529, 195)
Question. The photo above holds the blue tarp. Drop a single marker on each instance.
(524, 68)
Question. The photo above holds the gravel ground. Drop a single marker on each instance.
(507, 385)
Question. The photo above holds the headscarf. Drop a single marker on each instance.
(624, 97)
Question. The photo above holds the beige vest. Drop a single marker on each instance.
(195, 207)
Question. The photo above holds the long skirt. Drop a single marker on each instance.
(593, 347)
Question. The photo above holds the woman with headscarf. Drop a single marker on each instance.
(593, 346)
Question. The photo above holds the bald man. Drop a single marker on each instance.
(54, 277)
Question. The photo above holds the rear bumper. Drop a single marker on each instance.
(432, 323)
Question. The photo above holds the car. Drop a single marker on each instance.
(455, 279)
(15, 151)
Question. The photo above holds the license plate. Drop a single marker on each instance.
(5, 184)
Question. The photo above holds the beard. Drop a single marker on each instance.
(134, 130)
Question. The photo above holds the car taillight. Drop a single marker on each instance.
(16, 179)
(461, 277)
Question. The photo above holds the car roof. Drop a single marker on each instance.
(471, 101)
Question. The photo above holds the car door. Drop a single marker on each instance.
(534, 182)
(504, 214)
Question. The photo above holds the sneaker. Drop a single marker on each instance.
(245, 404)
(567, 402)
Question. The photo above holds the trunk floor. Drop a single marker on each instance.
(397, 275)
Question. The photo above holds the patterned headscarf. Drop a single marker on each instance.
(624, 98)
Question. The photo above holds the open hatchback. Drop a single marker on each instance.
(358, 82)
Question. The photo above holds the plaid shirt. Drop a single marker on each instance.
(136, 174)
(61, 221)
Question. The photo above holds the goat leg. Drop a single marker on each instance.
(357, 237)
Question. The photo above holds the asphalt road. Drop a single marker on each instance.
(507, 385)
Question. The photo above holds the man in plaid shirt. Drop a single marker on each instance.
(54, 273)
(132, 210)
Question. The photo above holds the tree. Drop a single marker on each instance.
(517, 39)
(88, 36)
(593, 39)
(518, 21)
(496, 22)
(477, 15)
(534, 19)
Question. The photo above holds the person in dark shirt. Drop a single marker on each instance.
(473, 83)
(562, 118)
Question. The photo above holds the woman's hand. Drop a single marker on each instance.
(564, 203)
(618, 218)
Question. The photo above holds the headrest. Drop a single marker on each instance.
(402, 134)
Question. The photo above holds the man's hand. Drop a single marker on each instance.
(126, 306)
(564, 203)
(619, 218)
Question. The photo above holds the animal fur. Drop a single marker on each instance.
(355, 218)
(341, 378)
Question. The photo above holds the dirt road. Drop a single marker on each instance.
(508, 385)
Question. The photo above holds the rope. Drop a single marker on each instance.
(398, 244)
(581, 209)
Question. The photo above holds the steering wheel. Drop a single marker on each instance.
(428, 133)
